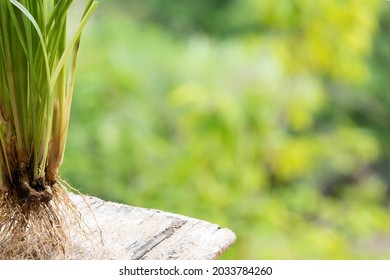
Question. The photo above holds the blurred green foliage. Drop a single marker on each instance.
(267, 117)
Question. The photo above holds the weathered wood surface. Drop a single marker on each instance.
(116, 231)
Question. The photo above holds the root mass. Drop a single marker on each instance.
(34, 218)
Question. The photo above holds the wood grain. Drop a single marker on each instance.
(117, 231)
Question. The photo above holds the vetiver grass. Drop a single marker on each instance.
(37, 74)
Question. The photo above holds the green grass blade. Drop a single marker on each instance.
(72, 43)
(36, 26)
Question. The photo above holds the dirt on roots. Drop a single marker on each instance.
(35, 220)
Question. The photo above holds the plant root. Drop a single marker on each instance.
(35, 220)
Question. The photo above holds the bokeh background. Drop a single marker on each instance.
(271, 118)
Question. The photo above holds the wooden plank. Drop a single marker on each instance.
(117, 231)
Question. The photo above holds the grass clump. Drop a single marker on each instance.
(37, 73)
